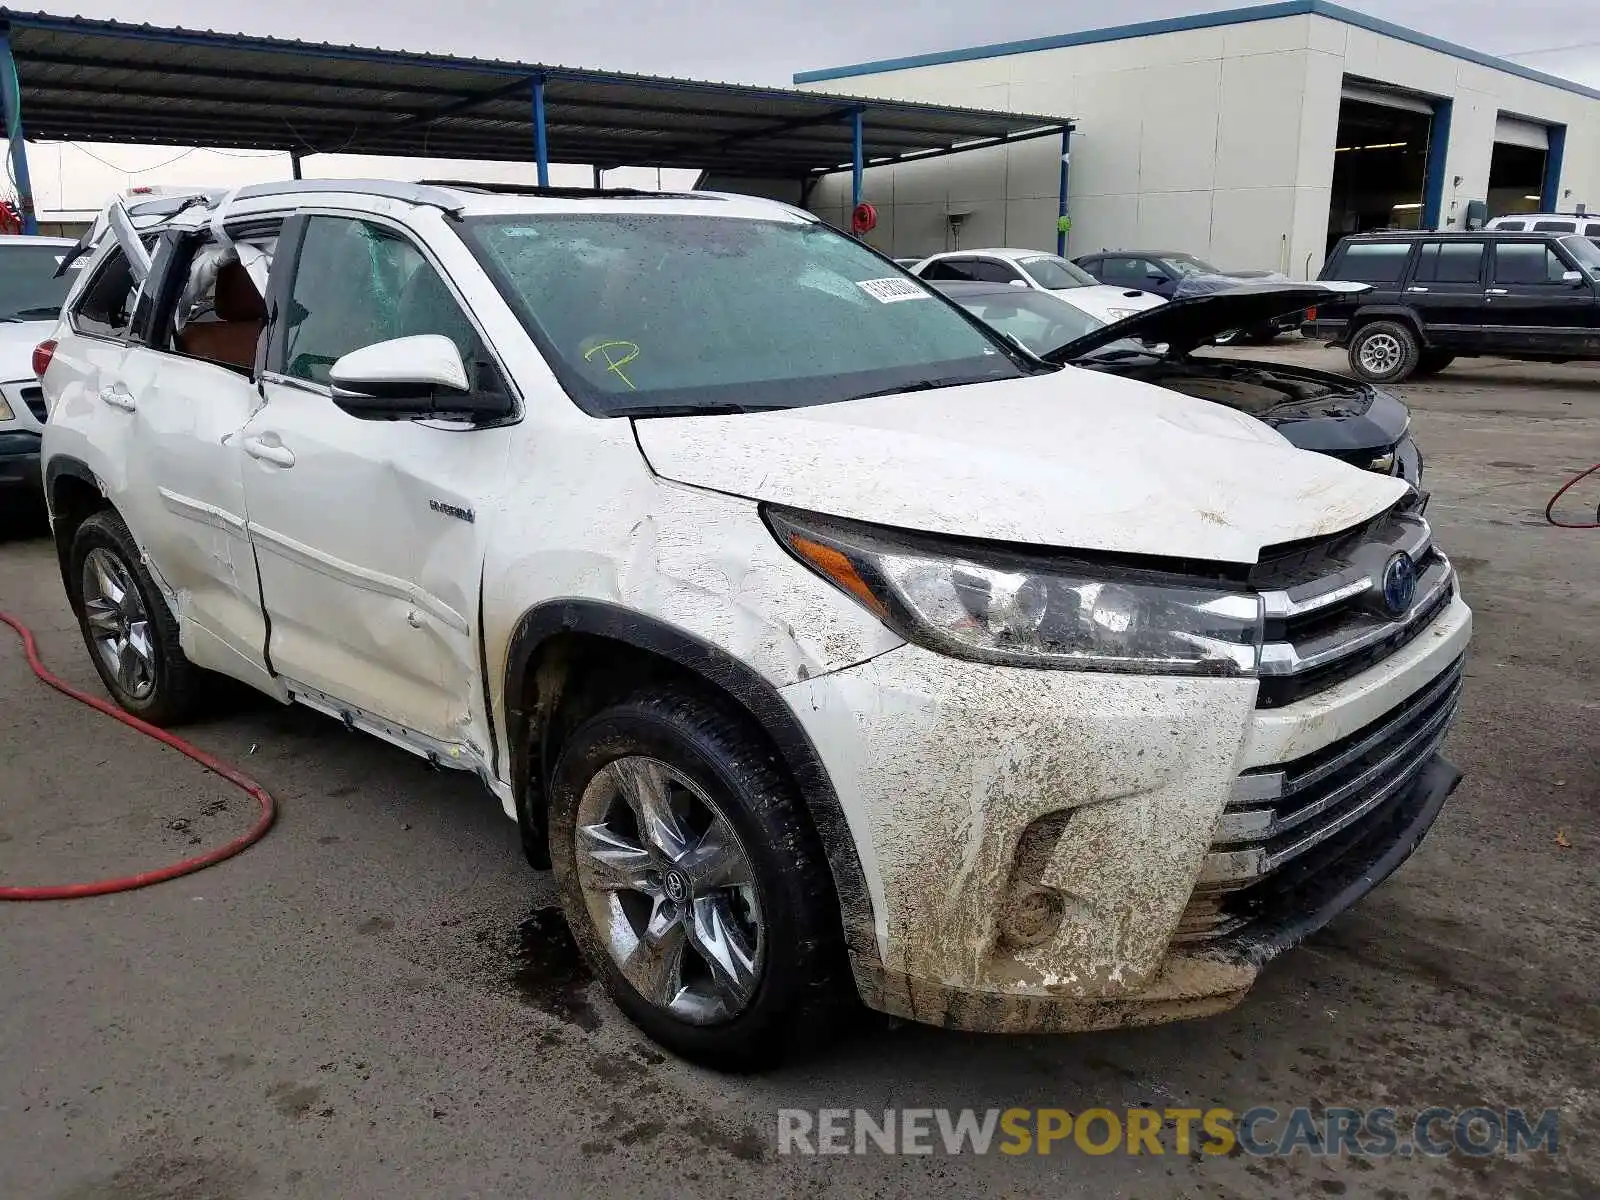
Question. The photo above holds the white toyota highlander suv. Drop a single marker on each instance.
(813, 633)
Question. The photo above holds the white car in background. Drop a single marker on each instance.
(1041, 272)
(30, 301)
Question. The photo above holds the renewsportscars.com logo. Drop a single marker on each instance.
(1263, 1131)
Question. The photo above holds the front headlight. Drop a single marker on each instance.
(1029, 610)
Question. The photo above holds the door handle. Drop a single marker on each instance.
(1416, 289)
(277, 455)
(118, 396)
(1498, 292)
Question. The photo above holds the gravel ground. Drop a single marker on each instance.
(367, 1004)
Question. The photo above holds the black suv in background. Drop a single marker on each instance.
(1438, 296)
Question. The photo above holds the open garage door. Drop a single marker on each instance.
(1380, 162)
(1517, 166)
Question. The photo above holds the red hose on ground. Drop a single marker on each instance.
(1549, 509)
(103, 887)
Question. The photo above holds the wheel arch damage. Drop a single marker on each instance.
(562, 645)
(73, 492)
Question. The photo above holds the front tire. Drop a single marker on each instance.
(131, 634)
(1384, 352)
(694, 883)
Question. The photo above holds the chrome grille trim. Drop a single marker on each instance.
(1282, 604)
(1323, 608)
(1284, 658)
(1448, 681)
(1257, 835)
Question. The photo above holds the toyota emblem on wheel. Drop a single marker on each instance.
(1399, 583)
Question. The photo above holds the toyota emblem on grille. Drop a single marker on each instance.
(1399, 584)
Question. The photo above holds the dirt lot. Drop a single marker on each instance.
(360, 1006)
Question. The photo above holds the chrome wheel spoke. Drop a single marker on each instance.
(118, 627)
(130, 667)
(670, 890)
(716, 861)
(655, 964)
(720, 938)
(106, 580)
(644, 785)
(610, 862)
(102, 617)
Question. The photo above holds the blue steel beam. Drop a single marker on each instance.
(541, 143)
(11, 111)
(856, 164)
(1066, 158)
(1438, 154)
(1550, 193)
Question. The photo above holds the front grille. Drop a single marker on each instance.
(1326, 619)
(1292, 821)
(33, 397)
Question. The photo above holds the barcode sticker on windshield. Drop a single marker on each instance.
(892, 291)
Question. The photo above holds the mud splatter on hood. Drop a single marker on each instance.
(1074, 459)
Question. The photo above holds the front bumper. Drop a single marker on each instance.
(1035, 843)
(19, 461)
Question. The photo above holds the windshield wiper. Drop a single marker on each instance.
(712, 409)
(41, 312)
(924, 385)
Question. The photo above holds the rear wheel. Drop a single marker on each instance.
(693, 881)
(1384, 352)
(131, 634)
(1432, 362)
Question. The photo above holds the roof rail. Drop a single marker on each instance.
(411, 193)
(565, 193)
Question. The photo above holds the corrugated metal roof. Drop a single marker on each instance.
(91, 80)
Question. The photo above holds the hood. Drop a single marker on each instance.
(1196, 320)
(1071, 459)
(1099, 301)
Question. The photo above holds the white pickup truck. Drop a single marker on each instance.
(814, 633)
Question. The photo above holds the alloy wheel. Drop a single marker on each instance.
(1381, 353)
(118, 625)
(670, 890)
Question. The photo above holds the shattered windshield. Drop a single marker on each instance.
(29, 290)
(643, 314)
(1188, 266)
(1040, 322)
(1057, 274)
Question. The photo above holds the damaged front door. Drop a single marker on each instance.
(187, 388)
(367, 532)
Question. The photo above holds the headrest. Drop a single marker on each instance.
(237, 298)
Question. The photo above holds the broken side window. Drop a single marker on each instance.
(220, 313)
(359, 283)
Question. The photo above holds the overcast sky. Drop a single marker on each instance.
(746, 41)
(766, 41)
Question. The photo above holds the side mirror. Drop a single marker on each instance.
(1022, 283)
(408, 379)
(1574, 278)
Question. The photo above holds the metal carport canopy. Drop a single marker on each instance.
(106, 81)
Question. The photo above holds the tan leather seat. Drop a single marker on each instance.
(241, 316)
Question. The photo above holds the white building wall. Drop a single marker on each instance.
(1217, 141)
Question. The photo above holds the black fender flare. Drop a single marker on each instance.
(65, 464)
(57, 468)
(735, 679)
(1404, 314)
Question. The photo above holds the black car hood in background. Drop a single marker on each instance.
(1198, 320)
